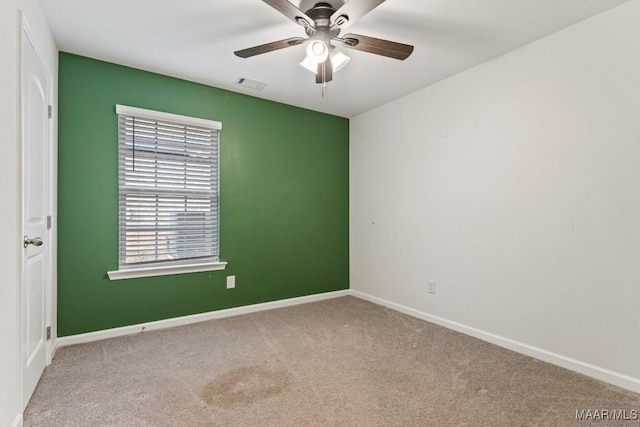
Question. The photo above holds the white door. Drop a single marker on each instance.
(35, 202)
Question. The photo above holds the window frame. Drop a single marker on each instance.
(179, 266)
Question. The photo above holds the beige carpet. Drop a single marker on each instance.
(341, 362)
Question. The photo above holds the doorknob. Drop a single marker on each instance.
(36, 241)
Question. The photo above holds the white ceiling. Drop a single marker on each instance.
(195, 40)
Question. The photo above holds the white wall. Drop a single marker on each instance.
(516, 186)
(10, 223)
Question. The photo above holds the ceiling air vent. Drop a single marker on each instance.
(251, 84)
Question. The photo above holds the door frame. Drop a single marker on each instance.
(50, 249)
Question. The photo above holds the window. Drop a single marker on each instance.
(168, 193)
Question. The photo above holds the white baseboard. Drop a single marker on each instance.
(194, 318)
(602, 374)
(18, 421)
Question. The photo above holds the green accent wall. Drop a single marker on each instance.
(284, 199)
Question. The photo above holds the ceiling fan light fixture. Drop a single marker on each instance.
(338, 59)
(310, 64)
(317, 51)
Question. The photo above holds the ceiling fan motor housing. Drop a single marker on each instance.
(321, 15)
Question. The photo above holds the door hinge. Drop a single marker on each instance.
(50, 111)
(48, 333)
(49, 222)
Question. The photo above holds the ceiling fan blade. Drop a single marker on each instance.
(269, 47)
(325, 72)
(290, 11)
(377, 46)
(353, 10)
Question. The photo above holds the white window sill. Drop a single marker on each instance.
(131, 273)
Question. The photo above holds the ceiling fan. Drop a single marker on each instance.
(322, 24)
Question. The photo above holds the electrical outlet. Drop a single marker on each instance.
(231, 282)
(431, 286)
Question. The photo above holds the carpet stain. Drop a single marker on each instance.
(244, 386)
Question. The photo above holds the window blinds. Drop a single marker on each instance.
(168, 181)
